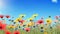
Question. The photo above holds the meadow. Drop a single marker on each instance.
(29, 26)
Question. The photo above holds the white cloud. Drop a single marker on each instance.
(55, 1)
(2, 4)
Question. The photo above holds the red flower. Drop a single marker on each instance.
(1, 16)
(40, 21)
(27, 29)
(7, 32)
(7, 16)
(22, 21)
(16, 32)
(2, 26)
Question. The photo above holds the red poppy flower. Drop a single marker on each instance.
(7, 32)
(7, 16)
(27, 29)
(16, 32)
(1, 16)
(21, 21)
(2, 26)
(40, 21)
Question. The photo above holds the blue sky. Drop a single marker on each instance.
(44, 8)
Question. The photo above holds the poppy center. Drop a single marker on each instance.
(0, 27)
(16, 33)
(41, 27)
(1, 16)
(47, 20)
(40, 21)
(27, 30)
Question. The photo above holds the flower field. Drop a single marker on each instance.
(30, 25)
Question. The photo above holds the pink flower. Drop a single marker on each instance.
(56, 21)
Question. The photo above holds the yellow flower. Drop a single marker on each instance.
(17, 20)
(11, 26)
(29, 19)
(49, 21)
(35, 15)
(22, 15)
(45, 33)
(30, 24)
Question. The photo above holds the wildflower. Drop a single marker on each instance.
(55, 21)
(11, 26)
(1, 16)
(30, 19)
(41, 27)
(22, 21)
(30, 24)
(49, 21)
(7, 16)
(17, 20)
(16, 32)
(45, 33)
(40, 21)
(34, 15)
(27, 29)
(7, 32)
(2, 26)
(22, 16)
